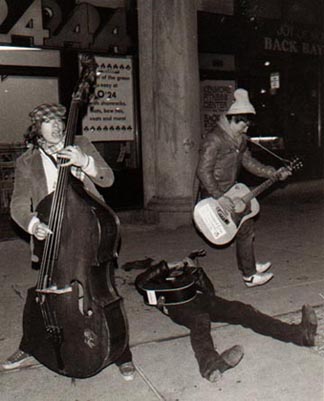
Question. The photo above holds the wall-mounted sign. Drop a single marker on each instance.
(216, 62)
(55, 23)
(292, 39)
(110, 115)
(275, 80)
(29, 25)
(216, 98)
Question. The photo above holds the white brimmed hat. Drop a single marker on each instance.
(241, 104)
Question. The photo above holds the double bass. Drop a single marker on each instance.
(76, 320)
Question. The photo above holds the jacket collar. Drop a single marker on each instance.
(38, 170)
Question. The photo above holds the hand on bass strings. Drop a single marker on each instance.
(74, 156)
(41, 231)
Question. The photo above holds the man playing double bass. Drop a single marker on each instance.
(35, 177)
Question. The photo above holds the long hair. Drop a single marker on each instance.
(38, 115)
(32, 135)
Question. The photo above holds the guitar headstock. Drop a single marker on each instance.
(295, 164)
(290, 166)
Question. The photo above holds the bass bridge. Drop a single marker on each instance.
(54, 290)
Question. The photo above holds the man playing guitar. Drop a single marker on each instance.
(222, 154)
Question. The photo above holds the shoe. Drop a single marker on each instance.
(127, 370)
(233, 356)
(18, 359)
(214, 376)
(262, 267)
(308, 325)
(230, 358)
(257, 279)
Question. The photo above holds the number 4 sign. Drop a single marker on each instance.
(29, 25)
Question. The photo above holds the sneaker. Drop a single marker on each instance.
(18, 359)
(308, 326)
(262, 267)
(257, 279)
(127, 370)
(230, 358)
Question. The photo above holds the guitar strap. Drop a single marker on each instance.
(285, 161)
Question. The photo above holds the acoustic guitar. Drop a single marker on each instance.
(177, 289)
(220, 226)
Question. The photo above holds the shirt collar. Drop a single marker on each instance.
(51, 149)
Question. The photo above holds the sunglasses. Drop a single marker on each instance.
(244, 119)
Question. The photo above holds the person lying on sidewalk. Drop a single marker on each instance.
(201, 306)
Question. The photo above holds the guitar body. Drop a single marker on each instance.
(174, 291)
(218, 226)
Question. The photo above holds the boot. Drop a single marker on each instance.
(229, 359)
(308, 326)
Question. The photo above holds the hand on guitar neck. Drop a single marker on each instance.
(282, 174)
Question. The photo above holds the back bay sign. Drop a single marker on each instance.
(293, 39)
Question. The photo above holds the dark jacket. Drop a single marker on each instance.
(220, 162)
(156, 274)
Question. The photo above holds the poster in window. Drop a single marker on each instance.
(216, 98)
(110, 114)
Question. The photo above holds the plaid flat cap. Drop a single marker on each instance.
(49, 111)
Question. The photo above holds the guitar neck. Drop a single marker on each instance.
(259, 189)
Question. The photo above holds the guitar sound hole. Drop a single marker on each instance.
(222, 215)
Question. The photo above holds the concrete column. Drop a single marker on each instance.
(145, 24)
(170, 108)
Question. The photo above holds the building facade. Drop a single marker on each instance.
(169, 68)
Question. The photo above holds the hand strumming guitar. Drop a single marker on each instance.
(226, 204)
(235, 205)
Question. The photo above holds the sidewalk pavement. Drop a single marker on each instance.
(289, 231)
